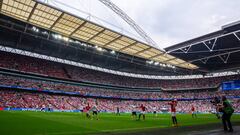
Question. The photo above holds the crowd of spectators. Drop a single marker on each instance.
(88, 91)
(47, 68)
(11, 98)
(16, 99)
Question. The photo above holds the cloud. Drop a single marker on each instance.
(173, 21)
(167, 21)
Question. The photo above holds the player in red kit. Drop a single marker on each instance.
(87, 110)
(193, 112)
(173, 105)
(142, 112)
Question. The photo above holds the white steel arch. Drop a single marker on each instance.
(130, 21)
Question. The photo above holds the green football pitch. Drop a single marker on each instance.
(62, 123)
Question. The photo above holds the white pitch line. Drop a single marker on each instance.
(66, 133)
(112, 130)
(127, 129)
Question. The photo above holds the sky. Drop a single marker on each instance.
(167, 22)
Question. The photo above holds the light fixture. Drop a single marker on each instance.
(65, 39)
(35, 29)
(100, 49)
(112, 52)
(156, 63)
(45, 33)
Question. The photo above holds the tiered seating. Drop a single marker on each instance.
(34, 65)
(47, 85)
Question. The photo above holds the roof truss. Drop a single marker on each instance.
(47, 17)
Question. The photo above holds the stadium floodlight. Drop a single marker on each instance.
(113, 52)
(77, 42)
(71, 41)
(89, 45)
(99, 49)
(156, 63)
(45, 33)
(35, 29)
(170, 66)
(149, 62)
(60, 37)
(83, 44)
(66, 39)
(57, 36)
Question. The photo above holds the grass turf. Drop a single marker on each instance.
(60, 123)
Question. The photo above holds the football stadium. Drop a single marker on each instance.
(62, 73)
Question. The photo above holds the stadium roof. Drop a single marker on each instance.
(213, 52)
(70, 26)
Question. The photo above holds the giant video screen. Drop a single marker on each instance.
(231, 85)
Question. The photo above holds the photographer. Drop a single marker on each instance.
(227, 111)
